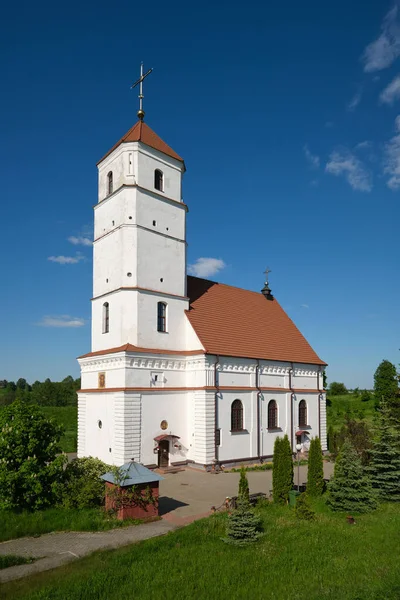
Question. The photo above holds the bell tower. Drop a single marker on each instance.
(139, 257)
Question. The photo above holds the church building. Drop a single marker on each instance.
(182, 370)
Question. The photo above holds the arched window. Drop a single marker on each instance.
(237, 416)
(106, 317)
(302, 413)
(272, 414)
(110, 183)
(159, 180)
(162, 317)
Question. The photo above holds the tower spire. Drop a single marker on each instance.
(266, 291)
(139, 82)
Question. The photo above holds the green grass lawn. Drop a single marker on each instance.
(25, 523)
(321, 560)
(338, 406)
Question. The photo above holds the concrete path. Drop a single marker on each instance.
(184, 497)
(55, 549)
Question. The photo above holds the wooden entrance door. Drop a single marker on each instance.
(163, 453)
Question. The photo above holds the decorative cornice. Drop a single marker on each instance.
(142, 189)
(140, 289)
(188, 389)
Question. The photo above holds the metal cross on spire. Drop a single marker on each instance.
(139, 82)
(267, 272)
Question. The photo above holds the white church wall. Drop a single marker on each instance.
(161, 264)
(312, 401)
(149, 160)
(147, 335)
(192, 340)
(114, 261)
(114, 163)
(323, 432)
(169, 218)
(268, 436)
(305, 377)
(173, 408)
(237, 445)
(115, 211)
(122, 321)
(99, 408)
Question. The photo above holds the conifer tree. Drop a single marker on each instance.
(315, 476)
(350, 489)
(244, 526)
(384, 467)
(303, 509)
(243, 484)
(282, 470)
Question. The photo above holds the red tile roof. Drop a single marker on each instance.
(141, 132)
(230, 321)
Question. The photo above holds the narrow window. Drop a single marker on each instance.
(159, 180)
(302, 413)
(110, 183)
(217, 437)
(106, 317)
(162, 317)
(272, 414)
(237, 416)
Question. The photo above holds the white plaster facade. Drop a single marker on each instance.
(140, 260)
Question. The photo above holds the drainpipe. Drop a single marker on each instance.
(259, 395)
(216, 448)
(291, 405)
(319, 403)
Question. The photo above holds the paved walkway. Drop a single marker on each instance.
(184, 497)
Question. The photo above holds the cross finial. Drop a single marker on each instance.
(139, 82)
(267, 272)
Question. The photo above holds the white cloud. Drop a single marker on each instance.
(362, 145)
(391, 92)
(343, 162)
(304, 306)
(312, 159)
(391, 159)
(382, 52)
(61, 321)
(355, 101)
(67, 260)
(80, 240)
(205, 267)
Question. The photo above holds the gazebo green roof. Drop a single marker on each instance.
(133, 473)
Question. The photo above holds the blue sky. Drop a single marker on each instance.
(285, 114)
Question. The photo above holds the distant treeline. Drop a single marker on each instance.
(43, 393)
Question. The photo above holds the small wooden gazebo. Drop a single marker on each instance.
(137, 480)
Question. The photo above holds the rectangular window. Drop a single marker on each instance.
(217, 437)
(162, 317)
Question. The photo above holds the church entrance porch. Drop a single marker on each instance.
(163, 453)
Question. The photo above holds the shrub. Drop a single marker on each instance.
(303, 508)
(244, 526)
(365, 396)
(282, 471)
(350, 489)
(29, 466)
(82, 486)
(315, 476)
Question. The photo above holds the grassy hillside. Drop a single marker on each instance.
(338, 406)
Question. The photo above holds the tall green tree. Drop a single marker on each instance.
(243, 484)
(337, 389)
(384, 467)
(282, 470)
(386, 385)
(315, 475)
(350, 489)
(30, 469)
